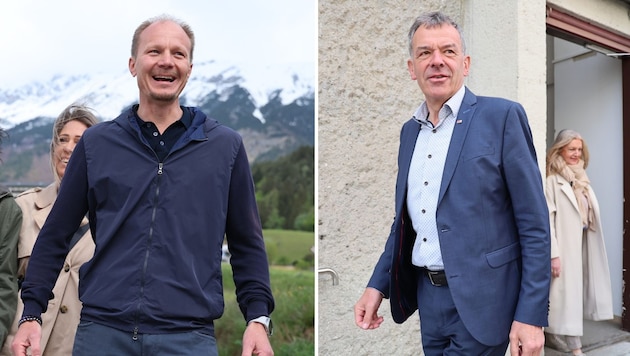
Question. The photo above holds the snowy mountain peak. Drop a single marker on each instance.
(108, 94)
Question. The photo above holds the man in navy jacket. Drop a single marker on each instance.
(469, 246)
(162, 185)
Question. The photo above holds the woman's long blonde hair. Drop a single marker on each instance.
(555, 162)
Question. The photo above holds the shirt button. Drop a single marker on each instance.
(424, 239)
(426, 183)
(161, 143)
(423, 211)
(430, 156)
(155, 133)
(63, 309)
(434, 130)
(66, 267)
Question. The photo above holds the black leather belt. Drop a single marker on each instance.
(437, 278)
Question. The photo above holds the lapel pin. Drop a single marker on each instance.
(458, 121)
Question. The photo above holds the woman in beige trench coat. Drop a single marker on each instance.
(59, 322)
(580, 285)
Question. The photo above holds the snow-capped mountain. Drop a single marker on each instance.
(271, 106)
(108, 94)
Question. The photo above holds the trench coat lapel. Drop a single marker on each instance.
(567, 190)
(43, 202)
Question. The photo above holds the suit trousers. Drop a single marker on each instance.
(94, 339)
(443, 332)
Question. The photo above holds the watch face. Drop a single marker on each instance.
(270, 327)
(266, 321)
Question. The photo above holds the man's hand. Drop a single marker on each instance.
(256, 341)
(526, 340)
(28, 334)
(366, 310)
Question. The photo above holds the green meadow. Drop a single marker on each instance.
(293, 286)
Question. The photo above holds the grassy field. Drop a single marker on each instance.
(290, 248)
(293, 318)
(294, 293)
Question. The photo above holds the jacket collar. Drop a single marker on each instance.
(197, 130)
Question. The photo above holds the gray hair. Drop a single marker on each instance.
(431, 20)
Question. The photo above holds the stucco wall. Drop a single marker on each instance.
(365, 95)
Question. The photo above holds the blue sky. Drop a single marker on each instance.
(41, 38)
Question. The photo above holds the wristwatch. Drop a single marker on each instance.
(266, 322)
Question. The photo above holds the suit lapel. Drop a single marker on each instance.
(464, 119)
(407, 145)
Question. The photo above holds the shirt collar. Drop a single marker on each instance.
(454, 103)
(186, 119)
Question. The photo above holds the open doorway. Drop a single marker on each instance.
(586, 78)
(587, 98)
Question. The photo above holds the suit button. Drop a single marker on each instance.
(66, 267)
(63, 309)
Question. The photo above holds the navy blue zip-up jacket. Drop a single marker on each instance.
(158, 229)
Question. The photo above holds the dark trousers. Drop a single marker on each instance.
(441, 328)
(94, 339)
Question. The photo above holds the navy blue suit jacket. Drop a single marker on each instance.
(492, 222)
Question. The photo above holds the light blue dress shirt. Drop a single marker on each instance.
(425, 177)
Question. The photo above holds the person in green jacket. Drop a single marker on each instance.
(10, 222)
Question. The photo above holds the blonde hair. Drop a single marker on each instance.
(555, 163)
(135, 41)
(78, 112)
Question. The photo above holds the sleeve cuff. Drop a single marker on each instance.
(31, 308)
(256, 309)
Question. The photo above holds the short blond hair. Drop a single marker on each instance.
(161, 18)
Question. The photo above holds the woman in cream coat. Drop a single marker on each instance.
(580, 285)
(59, 322)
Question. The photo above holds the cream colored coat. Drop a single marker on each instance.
(62, 316)
(583, 289)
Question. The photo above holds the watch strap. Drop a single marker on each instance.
(265, 321)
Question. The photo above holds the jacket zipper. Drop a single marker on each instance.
(160, 170)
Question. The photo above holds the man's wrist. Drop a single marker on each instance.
(265, 321)
(27, 318)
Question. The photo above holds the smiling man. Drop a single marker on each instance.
(162, 185)
(469, 246)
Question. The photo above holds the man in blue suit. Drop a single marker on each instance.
(470, 245)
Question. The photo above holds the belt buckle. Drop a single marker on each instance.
(433, 282)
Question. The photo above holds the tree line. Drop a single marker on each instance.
(285, 190)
